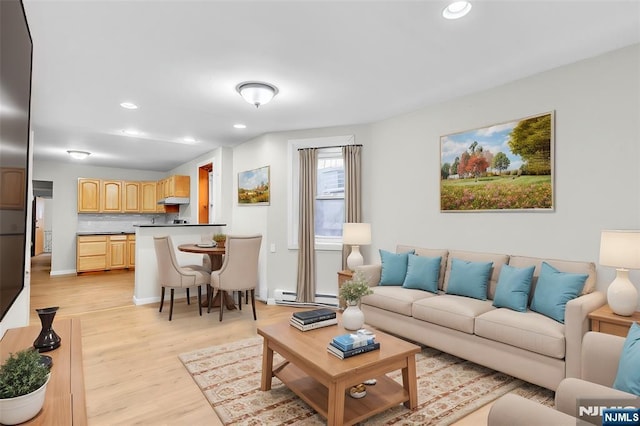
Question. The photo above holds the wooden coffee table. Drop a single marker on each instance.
(323, 380)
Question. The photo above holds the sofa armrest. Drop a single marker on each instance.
(576, 324)
(600, 357)
(512, 410)
(371, 273)
(571, 390)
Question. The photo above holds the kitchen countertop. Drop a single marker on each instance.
(106, 233)
(162, 225)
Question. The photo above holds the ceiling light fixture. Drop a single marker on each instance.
(456, 10)
(257, 93)
(189, 139)
(78, 155)
(129, 105)
(131, 132)
(240, 126)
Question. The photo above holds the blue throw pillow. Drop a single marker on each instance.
(513, 288)
(394, 267)
(422, 273)
(628, 376)
(469, 278)
(554, 289)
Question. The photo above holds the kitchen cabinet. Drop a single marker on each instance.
(118, 256)
(132, 197)
(12, 190)
(177, 186)
(131, 248)
(89, 195)
(91, 253)
(159, 196)
(148, 203)
(111, 196)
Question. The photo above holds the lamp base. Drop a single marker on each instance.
(622, 296)
(355, 258)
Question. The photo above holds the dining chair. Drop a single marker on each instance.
(172, 275)
(239, 271)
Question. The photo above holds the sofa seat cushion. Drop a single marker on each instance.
(526, 330)
(455, 312)
(395, 299)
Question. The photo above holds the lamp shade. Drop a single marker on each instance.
(356, 234)
(257, 93)
(620, 249)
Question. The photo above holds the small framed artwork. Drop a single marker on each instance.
(254, 186)
(502, 167)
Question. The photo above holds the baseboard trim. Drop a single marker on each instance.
(63, 272)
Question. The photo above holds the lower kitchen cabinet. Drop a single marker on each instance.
(105, 252)
(118, 257)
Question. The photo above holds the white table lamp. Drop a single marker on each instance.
(621, 250)
(356, 235)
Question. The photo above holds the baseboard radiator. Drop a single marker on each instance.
(283, 297)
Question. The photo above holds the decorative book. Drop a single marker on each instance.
(313, 325)
(334, 350)
(353, 340)
(315, 315)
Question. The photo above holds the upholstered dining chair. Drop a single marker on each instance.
(239, 271)
(172, 275)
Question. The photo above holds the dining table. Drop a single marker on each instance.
(216, 255)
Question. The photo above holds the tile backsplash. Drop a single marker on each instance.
(119, 222)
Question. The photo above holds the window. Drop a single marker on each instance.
(329, 206)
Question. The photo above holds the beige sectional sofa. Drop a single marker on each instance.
(527, 345)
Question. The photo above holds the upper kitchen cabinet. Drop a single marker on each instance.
(148, 198)
(11, 188)
(88, 195)
(111, 197)
(132, 197)
(177, 186)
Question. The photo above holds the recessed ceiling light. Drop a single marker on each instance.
(78, 155)
(131, 132)
(129, 105)
(189, 139)
(240, 126)
(456, 10)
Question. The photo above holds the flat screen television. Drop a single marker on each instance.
(16, 48)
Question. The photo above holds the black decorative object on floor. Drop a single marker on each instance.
(48, 340)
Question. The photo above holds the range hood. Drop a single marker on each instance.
(174, 201)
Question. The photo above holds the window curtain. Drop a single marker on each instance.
(306, 289)
(352, 190)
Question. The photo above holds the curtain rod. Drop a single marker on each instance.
(331, 146)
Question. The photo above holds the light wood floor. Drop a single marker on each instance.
(131, 366)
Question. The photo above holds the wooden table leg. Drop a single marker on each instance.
(267, 366)
(335, 407)
(410, 383)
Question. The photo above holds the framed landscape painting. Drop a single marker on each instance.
(503, 167)
(253, 187)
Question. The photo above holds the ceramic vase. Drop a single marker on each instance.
(352, 317)
(47, 340)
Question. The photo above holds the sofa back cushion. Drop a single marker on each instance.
(419, 251)
(470, 256)
(573, 267)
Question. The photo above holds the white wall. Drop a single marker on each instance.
(597, 177)
(64, 214)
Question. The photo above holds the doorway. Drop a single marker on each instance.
(41, 217)
(204, 189)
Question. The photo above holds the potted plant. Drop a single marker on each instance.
(220, 239)
(23, 383)
(351, 291)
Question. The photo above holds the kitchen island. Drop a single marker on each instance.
(147, 287)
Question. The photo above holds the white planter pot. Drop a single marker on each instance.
(22, 408)
(352, 317)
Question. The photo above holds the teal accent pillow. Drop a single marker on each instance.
(554, 289)
(394, 267)
(422, 273)
(514, 285)
(469, 278)
(628, 376)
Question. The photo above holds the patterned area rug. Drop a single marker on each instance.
(449, 388)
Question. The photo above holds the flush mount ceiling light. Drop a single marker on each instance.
(78, 155)
(257, 93)
(129, 105)
(456, 10)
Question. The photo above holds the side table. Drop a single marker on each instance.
(343, 276)
(605, 321)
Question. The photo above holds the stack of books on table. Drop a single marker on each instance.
(316, 318)
(348, 345)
